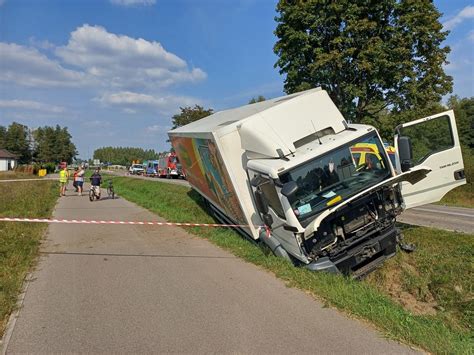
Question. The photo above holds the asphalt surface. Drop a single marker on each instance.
(436, 216)
(148, 289)
(442, 217)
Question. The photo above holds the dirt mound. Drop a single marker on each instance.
(393, 285)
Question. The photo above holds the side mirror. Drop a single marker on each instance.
(405, 153)
(261, 201)
(289, 189)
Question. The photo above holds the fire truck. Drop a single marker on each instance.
(170, 167)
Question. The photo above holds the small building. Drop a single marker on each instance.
(8, 161)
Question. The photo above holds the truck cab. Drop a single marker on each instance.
(333, 202)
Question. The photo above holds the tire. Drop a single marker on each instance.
(91, 195)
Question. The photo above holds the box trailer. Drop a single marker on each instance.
(313, 187)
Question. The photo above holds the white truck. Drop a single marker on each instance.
(316, 189)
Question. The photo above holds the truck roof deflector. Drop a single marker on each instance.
(259, 140)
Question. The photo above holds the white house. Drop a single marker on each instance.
(8, 161)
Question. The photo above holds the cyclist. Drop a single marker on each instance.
(96, 180)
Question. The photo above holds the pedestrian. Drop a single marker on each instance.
(63, 177)
(80, 180)
(74, 179)
(96, 179)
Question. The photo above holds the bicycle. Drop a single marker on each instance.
(93, 193)
(110, 190)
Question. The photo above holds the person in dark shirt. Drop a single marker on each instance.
(330, 176)
(96, 180)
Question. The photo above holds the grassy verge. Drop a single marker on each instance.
(359, 299)
(7, 175)
(19, 242)
(436, 280)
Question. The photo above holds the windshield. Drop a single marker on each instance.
(337, 175)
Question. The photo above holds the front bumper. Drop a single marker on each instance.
(362, 259)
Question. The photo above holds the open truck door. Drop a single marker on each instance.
(433, 143)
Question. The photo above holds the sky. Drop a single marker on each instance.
(115, 71)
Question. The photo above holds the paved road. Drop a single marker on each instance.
(443, 217)
(145, 289)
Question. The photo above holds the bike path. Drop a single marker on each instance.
(149, 289)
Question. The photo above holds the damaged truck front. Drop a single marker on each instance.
(315, 189)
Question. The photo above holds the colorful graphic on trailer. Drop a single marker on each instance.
(206, 171)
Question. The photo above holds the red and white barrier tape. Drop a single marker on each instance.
(141, 223)
(150, 223)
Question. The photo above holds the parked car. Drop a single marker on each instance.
(136, 169)
(151, 168)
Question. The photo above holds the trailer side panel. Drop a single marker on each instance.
(206, 172)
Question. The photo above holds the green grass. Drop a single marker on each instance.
(7, 175)
(19, 242)
(360, 299)
(437, 279)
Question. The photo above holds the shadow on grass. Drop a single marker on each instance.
(201, 202)
(205, 207)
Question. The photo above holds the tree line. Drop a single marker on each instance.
(42, 145)
(124, 155)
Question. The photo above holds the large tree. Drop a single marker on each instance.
(3, 136)
(370, 56)
(190, 114)
(54, 144)
(17, 141)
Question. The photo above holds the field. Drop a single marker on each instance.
(19, 242)
(423, 298)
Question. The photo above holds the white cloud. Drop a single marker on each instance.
(27, 66)
(30, 106)
(42, 44)
(132, 2)
(102, 59)
(125, 62)
(132, 102)
(470, 36)
(466, 13)
(157, 129)
(2, 2)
